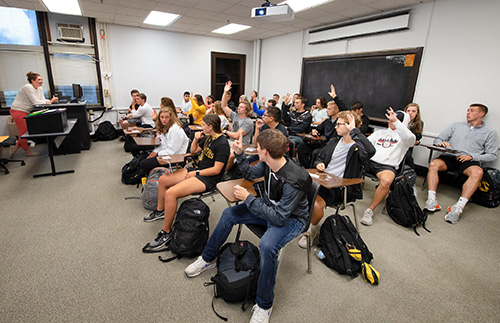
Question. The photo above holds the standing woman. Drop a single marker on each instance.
(318, 111)
(416, 126)
(173, 139)
(28, 96)
(214, 149)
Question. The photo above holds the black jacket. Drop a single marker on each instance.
(327, 127)
(360, 152)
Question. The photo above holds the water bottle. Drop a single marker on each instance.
(318, 253)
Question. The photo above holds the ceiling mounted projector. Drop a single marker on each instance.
(280, 12)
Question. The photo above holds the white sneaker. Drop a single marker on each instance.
(453, 215)
(432, 205)
(367, 218)
(260, 315)
(198, 267)
(303, 239)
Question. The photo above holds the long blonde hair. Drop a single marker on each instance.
(163, 129)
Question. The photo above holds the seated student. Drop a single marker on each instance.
(270, 120)
(186, 105)
(255, 106)
(308, 151)
(300, 122)
(283, 209)
(286, 107)
(224, 123)
(210, 103)
(276, 98)
(476, 144)
(318, 111)
(198, 109)
(124, 121)
(173, 139)
(214, 149)
(416, 126)
(342, 157)
(357, 107)
(144, 112)
(391, 145)
(241, 122)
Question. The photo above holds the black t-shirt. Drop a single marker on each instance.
(280, 127)
(212, 151)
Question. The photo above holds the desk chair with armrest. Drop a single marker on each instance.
(259, 230)
(4, 161)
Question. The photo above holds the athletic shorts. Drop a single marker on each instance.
(331, 196)
(454, 165)
(374, 168)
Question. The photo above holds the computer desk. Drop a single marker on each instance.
(51, 140)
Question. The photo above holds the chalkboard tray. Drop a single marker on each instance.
(379, 79)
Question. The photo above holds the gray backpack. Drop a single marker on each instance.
(149, 194)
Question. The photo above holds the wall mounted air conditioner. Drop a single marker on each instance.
(69, 32)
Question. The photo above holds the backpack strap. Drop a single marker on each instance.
(146, 249)
(213, 299)
(169, 259)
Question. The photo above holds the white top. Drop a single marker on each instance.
(392, 145)
(144, 112)
(27, 97)
(337, 163)
(224, 123)
(173, 142)
(186, 106)
(318, 115)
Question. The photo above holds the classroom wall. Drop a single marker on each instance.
(161, 63)
(459, 66)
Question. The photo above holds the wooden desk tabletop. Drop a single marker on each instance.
(176, 158)
(142, 141)
(442, 149)
(332, 181)
(250, 149)
(134, 130)
(227, 188)
(309, 136)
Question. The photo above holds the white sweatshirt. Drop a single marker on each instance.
(27, 97)
(392, 145)
(173, 142)
(144, 112)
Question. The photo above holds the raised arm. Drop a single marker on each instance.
(225, 99)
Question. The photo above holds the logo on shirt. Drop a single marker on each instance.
(387, 143)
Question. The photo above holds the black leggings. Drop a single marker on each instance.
(149, 163)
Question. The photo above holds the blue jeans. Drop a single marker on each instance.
(271, 242)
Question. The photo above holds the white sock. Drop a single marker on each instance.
(431, 195)
(312, 228)
(462, 201)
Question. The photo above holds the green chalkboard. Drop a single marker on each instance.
(378, 79)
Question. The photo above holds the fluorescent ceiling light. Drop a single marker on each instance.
(301, 5)
(69, 7)
(159, 18)
(230, 29)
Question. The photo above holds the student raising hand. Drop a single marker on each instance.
(351, 123)
(227, 87)
(391, 115)
(332, 92)
(238, 145)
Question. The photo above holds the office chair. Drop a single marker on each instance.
(4, 161)
(259, 230)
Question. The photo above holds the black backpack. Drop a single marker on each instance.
(106, 131)
(190, 230)
(401, 204)
(336, 233)
(238, 268)
(131, 171)
(488, 192)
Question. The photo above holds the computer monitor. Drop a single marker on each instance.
(77, 92)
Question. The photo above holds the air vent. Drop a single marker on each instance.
(68, 32)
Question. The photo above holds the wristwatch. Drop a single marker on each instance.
(197, 172)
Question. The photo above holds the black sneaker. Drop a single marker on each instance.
(161, 241)
(156, 215)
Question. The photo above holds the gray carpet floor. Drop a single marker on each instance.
(71, 252)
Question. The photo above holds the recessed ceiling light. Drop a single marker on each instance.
(69, 7)
(230, 29)
(301, 5)
(159, 18)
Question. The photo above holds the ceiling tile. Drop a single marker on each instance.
(358, 12)
(139, 13)
(212, 5)
(31, 5)
(170, 8)
(99, 14)
(98, 7)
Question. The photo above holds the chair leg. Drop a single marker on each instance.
(308, 250)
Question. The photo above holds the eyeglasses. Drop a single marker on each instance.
(339, 124)
(266, 115)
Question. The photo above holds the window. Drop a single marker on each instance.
(18, 27)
